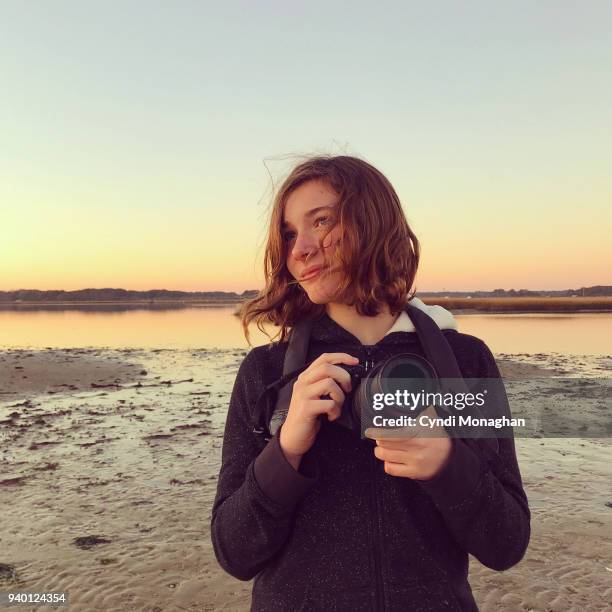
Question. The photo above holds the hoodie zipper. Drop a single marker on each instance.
(376, 515)
(369, 361)
(380, 598)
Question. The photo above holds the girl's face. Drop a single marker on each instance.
(310, 212)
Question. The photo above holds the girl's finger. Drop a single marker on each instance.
(327, 370)
(327, 386)
(316, 407)
(335, 358)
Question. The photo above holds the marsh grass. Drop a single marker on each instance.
(525, 304)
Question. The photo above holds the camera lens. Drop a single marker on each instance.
(406, 372)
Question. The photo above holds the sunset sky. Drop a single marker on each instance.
(136, 137)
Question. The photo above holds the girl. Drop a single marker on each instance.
(321, 518)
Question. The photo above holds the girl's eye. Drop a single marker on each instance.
(323, 220)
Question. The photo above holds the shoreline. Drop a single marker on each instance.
(184, 303)
(461, 306)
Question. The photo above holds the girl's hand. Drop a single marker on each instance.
(322, 377)
(416, 458)
(420, 457)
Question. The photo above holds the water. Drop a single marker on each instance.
(216, 327)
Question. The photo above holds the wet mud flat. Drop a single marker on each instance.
(109, 460)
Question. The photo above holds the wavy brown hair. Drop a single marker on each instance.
(378, 252)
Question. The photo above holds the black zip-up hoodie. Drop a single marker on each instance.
(341, 534)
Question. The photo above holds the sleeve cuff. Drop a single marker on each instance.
(458, 479)
(277, 478)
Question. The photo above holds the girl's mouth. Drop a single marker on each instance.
(312, 274)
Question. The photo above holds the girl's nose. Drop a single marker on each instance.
(304, 246)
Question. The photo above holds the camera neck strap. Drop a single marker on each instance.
(270, 416)
(435, 346)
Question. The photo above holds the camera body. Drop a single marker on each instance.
(350, 417)
(405, 372)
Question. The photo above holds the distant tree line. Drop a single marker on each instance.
(163, 295)
(122, 295)
(596, 291)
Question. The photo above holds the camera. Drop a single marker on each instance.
(401, 374)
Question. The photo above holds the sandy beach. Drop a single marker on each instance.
(109, 463)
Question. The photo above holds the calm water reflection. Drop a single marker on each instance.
(202, 327)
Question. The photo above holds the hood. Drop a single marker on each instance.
(442, 317)
(327, 330)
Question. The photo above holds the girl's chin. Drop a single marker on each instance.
(319, 297)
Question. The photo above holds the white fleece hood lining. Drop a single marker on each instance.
(443, 318)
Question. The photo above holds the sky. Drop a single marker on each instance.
(139, 139)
